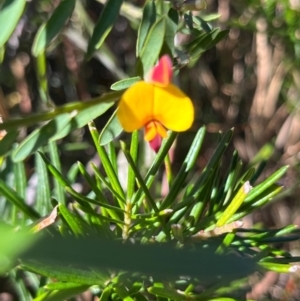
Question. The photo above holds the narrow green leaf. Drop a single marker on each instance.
(149, 17)
(213, 162)
(235, 204)
(104, 25)
(98, 103)
(171, 30)
(139, 178)
(192, 44)
(152, 172)
(54, 171)
(256, 191)
(20, 179)
(211, 40)
(72, 220)
(186, 167)
(10, 13)
(85, 201)
(134, 148)
(276, 267)
(202, 23)
(43, 194)
(48, 31)
(65, 273)
(82, 200)
(100, 197)
(153, 44)
(124, 83)
(40, 136)
(14, 198)
(83, 118)
(202, 200)
(112, 154)
(167, 293)
(122, 292)
(107, 165)
(106, 294)
(61, 285)
(111, 130)
(7, 141)
(106, 183)
(41, 68)
(62, 295)
(55, 160)
(259, 202)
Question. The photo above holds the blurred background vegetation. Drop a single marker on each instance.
(249, 81)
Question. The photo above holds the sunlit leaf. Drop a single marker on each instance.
(149, 17)
(10, 13)
(124, 83)
(153, 43)
(104, 25)
(111, 130)
(48, 31)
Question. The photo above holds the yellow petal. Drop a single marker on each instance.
(154, 128)
(136, 106)
(173, 108)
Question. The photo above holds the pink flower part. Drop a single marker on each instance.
(161, 74)
(155, 144)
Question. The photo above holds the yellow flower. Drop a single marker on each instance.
(156, 104)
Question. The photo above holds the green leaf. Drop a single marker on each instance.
(40, 137)
(12, 244)
(104, 25)
(20, 179)
(58, 128)
(7, 141)
(234, 204)
(134, 149)
(209, 41)
(55, 160)
(101, 253)
(61, 285)
(167, 293)
(43, 193)
(149, 17)
(125, 83)
(99, 104)
(65, 273)
(112, 129)
(10, 13)
(107, 164)
(14, 198)
(153, 44)
(213, 162)
(276, 267)
(202, 23)
(48, 31)
(75, 224)
(83, 118)
(139, 178)
(171, 30)
(106, 294)
(259, 189)
(152, 172)
(62, 295)
(186, 167)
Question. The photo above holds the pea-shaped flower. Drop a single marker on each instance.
(156, 104)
